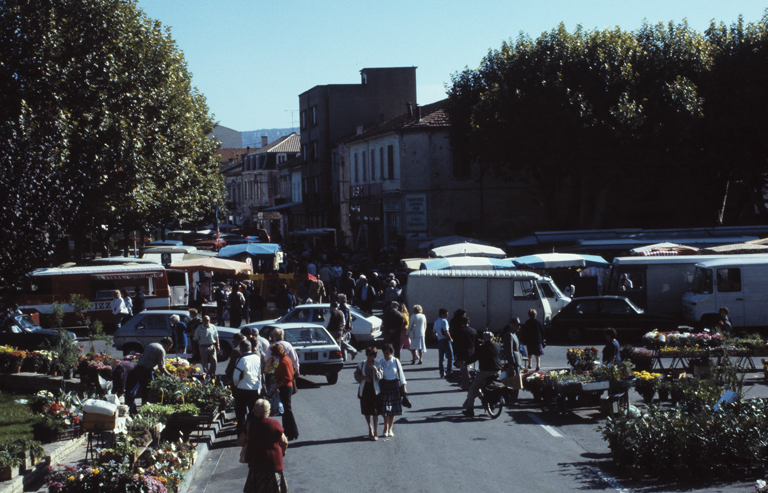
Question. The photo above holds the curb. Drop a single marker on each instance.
(203, 447)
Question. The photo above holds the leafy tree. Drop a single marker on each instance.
(130, 119)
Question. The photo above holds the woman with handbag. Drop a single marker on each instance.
(368, 376)
(392, 385)
(417, 333)
(264, 445)
(405, 341)
(284, 382)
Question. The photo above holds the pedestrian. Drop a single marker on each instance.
(257, 342)
(137, 383)
(724, 326)
(246, 382)
(488, 355)
(128, 303)
(534, 339)
(417, 334)
(220, 296)
(392, 388)
(119, 309)
(284, 300)
(336, 323)
(611, 351)
(365, 295)
(325, 275)
(179, 334)
(344, 345)
(236, 302)
(284, 382)
(256, 304)
(368, 375)
(392, 293)
(278, 336)
(265, 446)
(392, 323)
(195, 321)
(120, 377)
(139, 301)
(405, 342)
(233, 357)
(207, 338)
(464, 339)
(444, 343)
(317, 291)
(246, 312)
(347, 286)
(511, 351)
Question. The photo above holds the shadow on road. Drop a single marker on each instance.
(308, 443)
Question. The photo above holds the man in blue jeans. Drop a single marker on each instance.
(444, 342)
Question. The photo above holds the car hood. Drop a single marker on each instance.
(43, 332)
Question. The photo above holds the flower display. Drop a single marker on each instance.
(105, 478)
(583, 359)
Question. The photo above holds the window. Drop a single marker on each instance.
(381, 163)
(304, 152)
(281, 158)
(357, 170)
(314, 150)
(304, 119)
(728, 280)
(365, 168)
(615, 307)
(391, 162)
(524, 290)
(316, 184)
(304, 185)
(373, 165)
(314, 115)
(588, 307)
(702, 281)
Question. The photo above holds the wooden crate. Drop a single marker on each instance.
(98, 422)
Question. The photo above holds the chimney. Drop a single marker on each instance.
(410, 110)
(359, 130)
(264, 141)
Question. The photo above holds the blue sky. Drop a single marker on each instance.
(252, 59)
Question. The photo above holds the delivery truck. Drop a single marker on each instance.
(490, 297)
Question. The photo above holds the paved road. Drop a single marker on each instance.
(435, 448)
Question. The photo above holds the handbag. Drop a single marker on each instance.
(406, 402)
(244, 450)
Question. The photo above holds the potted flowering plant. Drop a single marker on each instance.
(647, 384)
(583, 359)
(9, 465)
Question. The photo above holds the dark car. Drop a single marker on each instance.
(21, 332)
(595, 313)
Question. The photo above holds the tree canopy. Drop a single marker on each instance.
(97, 98)
(620, 128)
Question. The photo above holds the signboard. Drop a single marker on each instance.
(416, 212)
(391, 203)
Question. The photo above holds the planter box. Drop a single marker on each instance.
(202, 420)
(594, 386)
(8, 473)
(70, 434)
(616, 386)
(98, 422)
(110, 456)
(568, 387)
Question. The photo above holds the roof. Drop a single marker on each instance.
(230, 155)
(682, 259)
(288, 144)
(100, 269)
(475, 273)
(432, 116)
(736, 261)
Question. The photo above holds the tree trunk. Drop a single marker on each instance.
(721, 213)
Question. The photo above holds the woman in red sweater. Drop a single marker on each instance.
(284, 382)
(266, 448)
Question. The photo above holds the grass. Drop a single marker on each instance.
(15, 419)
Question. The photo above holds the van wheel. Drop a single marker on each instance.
(332, 378)
(574, 334)
(132, 348)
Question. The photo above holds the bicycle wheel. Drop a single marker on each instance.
(494, 410)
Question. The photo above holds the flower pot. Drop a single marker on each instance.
(8, 472)
(663, 395)
(68, 374)
(648, 396)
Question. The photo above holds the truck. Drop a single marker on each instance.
(739, 284)
(657, 284)
(490, 297)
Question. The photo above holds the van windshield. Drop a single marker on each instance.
(702, 281)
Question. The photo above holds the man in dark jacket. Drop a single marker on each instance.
(392, 324)
(365, 296)
(347, 286)
(464, 348)
(139, 303)
(488, 354)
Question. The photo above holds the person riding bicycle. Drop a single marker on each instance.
(489, 356)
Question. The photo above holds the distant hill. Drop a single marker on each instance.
(252, 138)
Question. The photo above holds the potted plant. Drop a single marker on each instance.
(647, 384)
(9, 465)
(123, 449)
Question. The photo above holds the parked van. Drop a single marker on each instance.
(657, 284)
(490, 297)
(740, 284)
(97, 284)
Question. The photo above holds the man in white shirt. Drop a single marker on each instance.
(444, 342)
(247, 383)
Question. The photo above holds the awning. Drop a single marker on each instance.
(117, 277)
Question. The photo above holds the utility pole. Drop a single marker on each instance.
(293, 128)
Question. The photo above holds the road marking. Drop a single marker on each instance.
(613, 483)
(544, 425)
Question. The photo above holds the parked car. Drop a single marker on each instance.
(365, 327)
(22, 332)
(152, 325)
(317, 351)
(595, 313)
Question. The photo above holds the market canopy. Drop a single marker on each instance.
(213, 264)
(477, 263)
(555, 260)
(448, 240)
(252, 249)
(467, 249)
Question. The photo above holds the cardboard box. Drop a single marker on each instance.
(99, 422)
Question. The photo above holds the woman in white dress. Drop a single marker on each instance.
(417, 333)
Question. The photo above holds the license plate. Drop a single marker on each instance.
(308, 356)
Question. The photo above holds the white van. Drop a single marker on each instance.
(657, 284)
(490, 297)
(741, 285)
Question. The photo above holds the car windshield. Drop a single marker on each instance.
(26, 322)
(637, 308)
(356, 312)
(702, 281)
(308, 336)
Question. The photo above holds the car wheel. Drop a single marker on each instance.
(332, 378)
(225, 351)
(574, 334)
(132, 348)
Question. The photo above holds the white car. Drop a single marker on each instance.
(365, 327)
(317, 352)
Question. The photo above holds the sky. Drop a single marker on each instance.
(251, 59)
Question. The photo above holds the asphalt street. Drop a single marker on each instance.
(437, 449)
